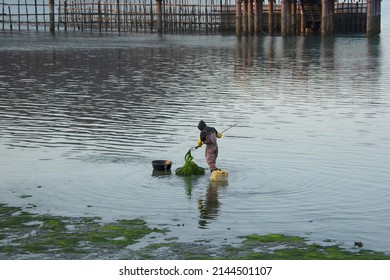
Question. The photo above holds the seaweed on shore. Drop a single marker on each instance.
(24, 235)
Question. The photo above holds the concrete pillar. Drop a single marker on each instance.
(238, 18)
(327, 17)
(373, 17)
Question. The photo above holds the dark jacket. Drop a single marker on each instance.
(208, 134)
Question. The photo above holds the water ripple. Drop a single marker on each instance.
(85, 118)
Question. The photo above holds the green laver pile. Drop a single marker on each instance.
(189, 168)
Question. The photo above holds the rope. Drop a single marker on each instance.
(258, 27)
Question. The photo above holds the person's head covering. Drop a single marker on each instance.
(201, 125)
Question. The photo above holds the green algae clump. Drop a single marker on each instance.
(27, 235)
(190, 167)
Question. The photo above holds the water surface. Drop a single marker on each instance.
(83, 115)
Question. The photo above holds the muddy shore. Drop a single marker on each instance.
(39, 237)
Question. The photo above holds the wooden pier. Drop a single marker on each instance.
(244, 17)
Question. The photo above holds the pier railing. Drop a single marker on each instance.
(114, 15)
(178, 16)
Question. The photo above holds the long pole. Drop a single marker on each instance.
(229, 128)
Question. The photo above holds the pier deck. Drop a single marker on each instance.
(244, 17)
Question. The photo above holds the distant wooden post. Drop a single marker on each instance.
(51, 16)
(100, 20)
(327, 17)
(258, 17)
(10, 18)
(36, 14)
(238, 18)
(65, 21)
(293, 16)
(250, 16)
(270, 17)
(245, 18)
(151, 17)
(283, 17)
(3, 14)
(302, 20)
(373, 17)
(118, 14)
(159, 16)
(286, 19)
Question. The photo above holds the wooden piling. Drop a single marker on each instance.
(284, 17)
(44, 15)
(289, 17)
(255, 16)
(99, 15)
(293, 17)
(245, 17)
(327, 17)
(250, 17)
(19, 15)
(36, 14)
(51, 16)
(10, 17)
(271, 17)
(66, 15)
(3, 16)
(159, 16)
(238, 18)
(118, 16)
(261, 16)
(373, 17)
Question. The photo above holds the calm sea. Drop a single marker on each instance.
(83, 115)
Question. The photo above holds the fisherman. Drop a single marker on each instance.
(208, 136)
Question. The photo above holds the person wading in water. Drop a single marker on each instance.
(208, 136)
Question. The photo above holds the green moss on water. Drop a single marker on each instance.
(280, 238)
(122, 233)
(45, 234)
(8, 210)
(54, 224)
(157, 246)
(15, 220)
(283, 247)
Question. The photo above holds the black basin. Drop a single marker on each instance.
(162, 164)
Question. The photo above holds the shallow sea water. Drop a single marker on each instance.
(83, 115)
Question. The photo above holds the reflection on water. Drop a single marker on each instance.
(209, 205)
(84, 115)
